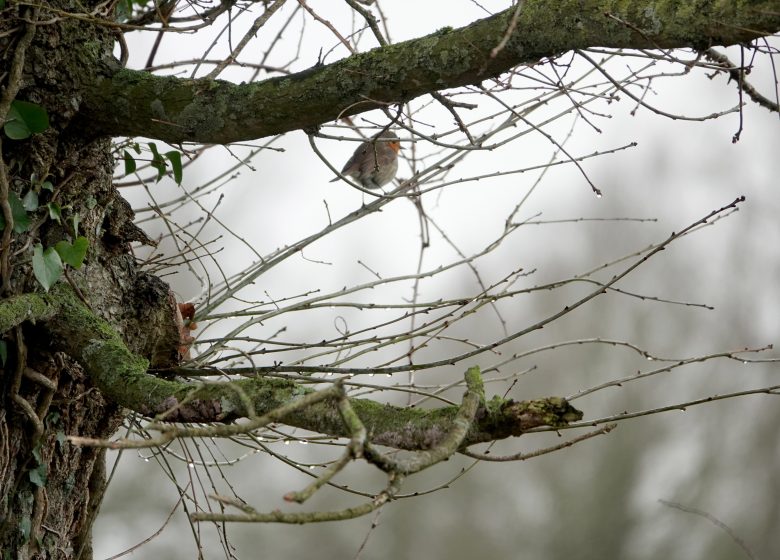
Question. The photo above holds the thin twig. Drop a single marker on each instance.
(524, 456)
(372, 22)
(270, 10)
(509, 30)
(715, 521)
(737, 74)
(327, 24)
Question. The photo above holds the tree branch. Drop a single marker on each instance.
(122, 377)
(134, 103)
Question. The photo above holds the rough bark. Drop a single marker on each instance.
(129, 103)
(49, 489)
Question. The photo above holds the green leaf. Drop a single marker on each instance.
(15, 128)
(158, 162)
(76, 222)
(34, 116)
(21, 219)
(47, 266)
(36, 453)
(3, 352)
(25, 526)
(61, 438)
(19, 214)
(38, 475)
(24, 119)
(174, 157)
(48, 186)
(91, 202)
(53, 418)
(129, 163)
(73, 253)
(30, 201)
(55, 212)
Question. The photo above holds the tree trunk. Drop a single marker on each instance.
(50, 489)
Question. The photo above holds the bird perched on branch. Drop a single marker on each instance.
(375, 162)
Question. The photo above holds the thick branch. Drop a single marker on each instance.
(122, 377)
(449, 445)
(134, 103)
(27, 307)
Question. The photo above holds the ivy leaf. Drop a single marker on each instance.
(47, 266)
(73, 253)
(15, 128)
(3, 352)
(174, 157)
(158, 162)
(55, 212)
(34, 116)
(76, 222)
(38, 475)
(53, 418)
(25, 119)
(21, 219)
(25, 526)
(130, 165)
(48, 186)
(30, 201)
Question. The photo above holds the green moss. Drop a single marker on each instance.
(82, 323)
(122, 376)
(26, 307)
(217, 112)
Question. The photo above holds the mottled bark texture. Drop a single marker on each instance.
(49, 489)
(177, 110)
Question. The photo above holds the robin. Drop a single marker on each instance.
(375, 162)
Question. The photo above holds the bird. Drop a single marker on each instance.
(375, 161)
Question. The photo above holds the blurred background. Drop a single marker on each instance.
(716, 291)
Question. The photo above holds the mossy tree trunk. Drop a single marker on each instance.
(49, 489)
